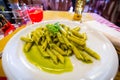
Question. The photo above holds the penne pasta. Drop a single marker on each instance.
(42, 39)
(76, 28)
(25, 39)
(79, 42)
(27, 46)
(66, 28)
(69, 52)
(58, 44)
(59, 56)
(76, 52)
(77, 34)
(48, 37)
(74, 49)
(78, 46)
(64, 47)
(63, 32)
(80, 39)
(35, 38)
(56, 41)
(67, 42)
(43, 52)
(58, 49)
(86, 57)
(92, 53)
(60, 38)
(53, 57)
(84, 36)
(44, 45)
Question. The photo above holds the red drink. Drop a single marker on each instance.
(36, 14)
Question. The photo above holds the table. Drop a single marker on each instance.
(52, 15)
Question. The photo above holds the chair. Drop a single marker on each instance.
(109, 9)
(31, 1)
(92, 5)
(96, 6)
(118, 19)
(28, 2)
(62, 5)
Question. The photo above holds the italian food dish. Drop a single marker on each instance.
(51, 46)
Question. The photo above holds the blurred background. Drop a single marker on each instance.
(109, 9)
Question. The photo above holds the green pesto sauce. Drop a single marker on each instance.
(46, 64)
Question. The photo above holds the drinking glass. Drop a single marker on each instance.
(21, 16)
(79, 7)
(35, 12)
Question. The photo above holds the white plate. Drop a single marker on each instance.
(17, 67)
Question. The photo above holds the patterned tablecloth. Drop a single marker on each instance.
(48, 15)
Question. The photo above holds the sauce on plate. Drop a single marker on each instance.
(46, 64)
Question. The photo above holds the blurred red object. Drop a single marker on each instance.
(5, 26)
(3, 78)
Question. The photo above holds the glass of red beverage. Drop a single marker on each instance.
(35, 12)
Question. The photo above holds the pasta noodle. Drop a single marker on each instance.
(27, 46)
(57, 41)
(53, 57)
(92, 53)
(26, 39)
(76, 28)
(59, 56)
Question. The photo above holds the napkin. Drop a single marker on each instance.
(110, 32)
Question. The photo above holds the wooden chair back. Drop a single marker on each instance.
(61, 5)
(43, 2)
(96, 6)
(109, 9)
